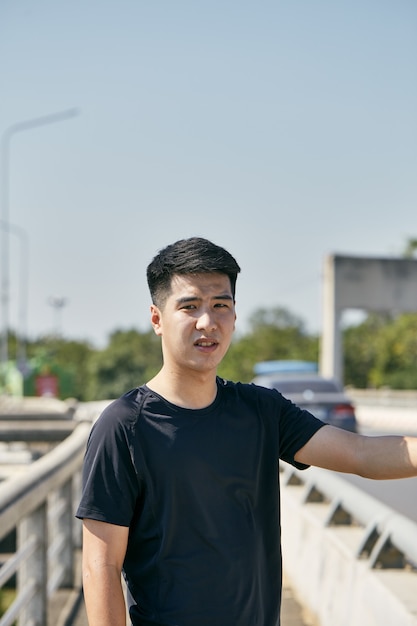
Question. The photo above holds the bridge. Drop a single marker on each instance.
(348, 558)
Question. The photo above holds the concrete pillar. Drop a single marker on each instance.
(331, 354)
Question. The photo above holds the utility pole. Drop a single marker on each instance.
(6, 138)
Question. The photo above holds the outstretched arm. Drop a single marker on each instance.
(104, 549)
(371, 457)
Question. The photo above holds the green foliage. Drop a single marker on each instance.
(130, 359)
(396, 360)
(69, 360)
(411, 248)
(382, 352)
(379, 352)
(238, 362)
(360, 347)
(274, 334)
(7, 597)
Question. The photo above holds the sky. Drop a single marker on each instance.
(283, 130)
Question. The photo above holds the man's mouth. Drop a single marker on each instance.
(205, 343)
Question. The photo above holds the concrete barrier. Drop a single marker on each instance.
(332, 563)
(385, 410)
(27, 408)
(385, 419)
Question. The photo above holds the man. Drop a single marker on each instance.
(180, 477)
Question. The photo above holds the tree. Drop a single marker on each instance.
(382, 351)
(396, 359)
(130, 359)
(70, 360)
(274, 334)
(410, 249)
(360, 347)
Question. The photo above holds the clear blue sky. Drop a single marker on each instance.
(282, 130)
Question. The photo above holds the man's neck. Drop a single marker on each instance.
(194, 390)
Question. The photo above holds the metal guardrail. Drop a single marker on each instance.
(39, 506)
(389, 538)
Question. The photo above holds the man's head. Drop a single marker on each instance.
(188, 256)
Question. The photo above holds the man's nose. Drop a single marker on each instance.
(206, 320)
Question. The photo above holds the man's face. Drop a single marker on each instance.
(196, 322)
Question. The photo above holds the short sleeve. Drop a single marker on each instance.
(110, 485)
(297, 426)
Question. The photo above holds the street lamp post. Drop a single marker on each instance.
(4, 214)
(57, 303)
(21, 234)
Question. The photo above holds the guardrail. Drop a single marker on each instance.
(331, 531)
(351, 559)
(39, 506)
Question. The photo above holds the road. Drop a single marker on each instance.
(401, 495)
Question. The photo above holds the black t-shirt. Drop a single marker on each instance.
(199, 490)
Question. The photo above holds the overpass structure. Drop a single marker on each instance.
(349, 559)
(365, 283)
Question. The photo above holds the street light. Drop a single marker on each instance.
(4, 213)
(57, 303)
(21, 234)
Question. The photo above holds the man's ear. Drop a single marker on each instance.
(156, 320)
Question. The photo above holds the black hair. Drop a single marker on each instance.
(188, 256)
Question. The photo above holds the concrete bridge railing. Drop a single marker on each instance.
(37, 510)
(349, 558)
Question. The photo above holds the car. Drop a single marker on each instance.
(302, 384)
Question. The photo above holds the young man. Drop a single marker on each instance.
(181, 487)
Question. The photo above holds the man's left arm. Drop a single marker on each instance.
(381, 457)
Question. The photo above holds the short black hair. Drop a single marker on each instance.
(195, 255)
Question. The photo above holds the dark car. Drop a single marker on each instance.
(323, 397)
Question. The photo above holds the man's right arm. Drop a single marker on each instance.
(104, 549)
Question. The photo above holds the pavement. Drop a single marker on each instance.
(292, 613)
